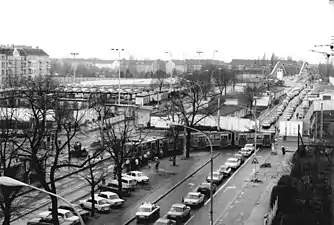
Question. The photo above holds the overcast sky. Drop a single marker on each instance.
(148, 28)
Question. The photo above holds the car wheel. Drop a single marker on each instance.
(82, 205)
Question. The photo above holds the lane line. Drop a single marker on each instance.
(237, 195)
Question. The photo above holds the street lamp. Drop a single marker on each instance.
(199, 58)
(10, 182)
(119, 72)
(74, 54)
(211, 162)
(213, 56)
(256, 129)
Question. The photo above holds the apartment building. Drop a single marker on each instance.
(21, 61)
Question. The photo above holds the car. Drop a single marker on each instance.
(83, 213)
(179, 212)
(112, 198)
(140, 177)
(101, 204)
(165, 221)
(113, 187)
(265, 125)
(246, 152)
(127, 182)
(147, 212)
(240, 157)
(205, 188)
(194, 199)
(47, 221)
(234, 163)
(249, 146)
(217, 177)
(225, 170)
(65, 214)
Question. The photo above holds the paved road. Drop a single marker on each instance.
(227, 193)
(121, 216)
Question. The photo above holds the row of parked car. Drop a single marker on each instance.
(293, 104)
(107, 198)
(181, 212)
(280, 109)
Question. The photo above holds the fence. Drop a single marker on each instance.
(269, 217)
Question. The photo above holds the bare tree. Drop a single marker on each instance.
(222, 78)
(252, 92)
(48, 118)
(191, 103)
(117, 140)
(10, 137)
(92, 177)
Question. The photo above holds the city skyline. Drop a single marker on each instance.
(236, 29)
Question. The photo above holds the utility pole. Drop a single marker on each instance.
(74, 68)
(213, 56)
(199, 58)
(321, 122)
(119, 72)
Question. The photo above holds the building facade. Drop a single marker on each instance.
(22, 61)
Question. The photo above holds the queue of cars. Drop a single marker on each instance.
(181, 212)
(293, 104)
(107, 198)
(289, 101)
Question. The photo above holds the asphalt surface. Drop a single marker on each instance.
(226, 193)
(120, 216)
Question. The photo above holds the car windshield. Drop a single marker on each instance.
(144, 209)
(140, 174)
(215, 174)
(248, 146)
(68, 214)
(205, 185)
(232, 160)
(192, 196)
(78, 207)
(223, 168)
(102, 202)
(112, 197)
(176, 209)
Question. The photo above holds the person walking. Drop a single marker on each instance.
(283, 150)
(137, 163)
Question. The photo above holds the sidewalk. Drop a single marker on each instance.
(75, 189)
(252, 202)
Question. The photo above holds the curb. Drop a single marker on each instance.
(176, 185)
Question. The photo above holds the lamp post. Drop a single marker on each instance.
(119, 72)
(10, 182)
(211, 162)
(74, 69)
(213, 56)
(199, 59)
(256, 131)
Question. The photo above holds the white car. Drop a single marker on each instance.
(65, 214)
(216, 177)
(246, 152)
(101, 204)
(148, 211)
(225, 170)
(234, 163)
(140, 177)
(111, 198)
(194, 199)
(249, 146)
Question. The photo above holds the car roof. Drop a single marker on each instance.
(163, 220)
(107, 193)
(97, 198)
(232, 158)
(146, 204)
(179, 205)
(135, 171)
(194, 193)
(63, 211)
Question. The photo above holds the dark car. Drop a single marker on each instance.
(114, 188)
(83, 213)
(204, 188)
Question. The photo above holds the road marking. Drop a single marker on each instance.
(230, 187)
(231, 177)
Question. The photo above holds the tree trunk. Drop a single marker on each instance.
(188, 137)
(119, 177)
(6, 215)
(68, 146)
(54, 212)
(93, 202)
(225, 87)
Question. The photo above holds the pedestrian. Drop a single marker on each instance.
(127, 163)
(283, 150)
(157, 162)
(137, 163)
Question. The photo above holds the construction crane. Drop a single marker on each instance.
(326, 54)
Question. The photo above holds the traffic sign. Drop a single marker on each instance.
(255, 161)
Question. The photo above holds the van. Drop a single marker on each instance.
(129, 182)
